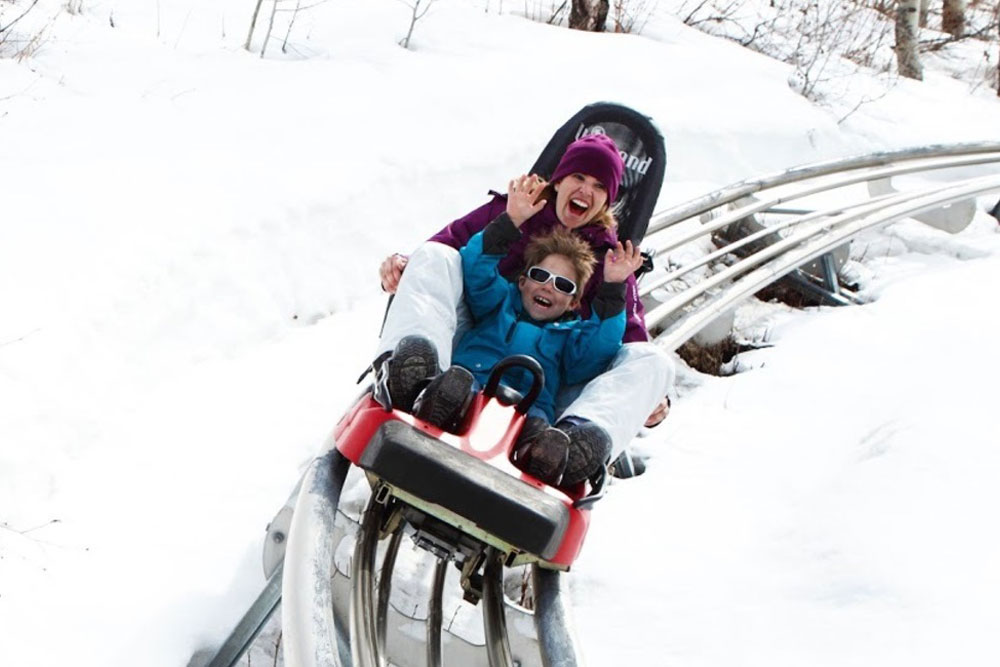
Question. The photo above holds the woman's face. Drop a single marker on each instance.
(579, 199)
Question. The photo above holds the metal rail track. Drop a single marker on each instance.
(807, 185)
(764, 268)
(336, 618)
(679, 315)
(804, 173)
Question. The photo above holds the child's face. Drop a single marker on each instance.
(543, 301)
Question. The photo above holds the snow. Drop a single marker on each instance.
(188, 246)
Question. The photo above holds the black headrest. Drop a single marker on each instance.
(644, 154)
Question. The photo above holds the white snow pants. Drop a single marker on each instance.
(429, 303)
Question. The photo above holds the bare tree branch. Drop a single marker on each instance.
(33, 331)
(23, 14)
(690, 17)
(25, 532)
(557, 12)
(302, 9)
(938, 44)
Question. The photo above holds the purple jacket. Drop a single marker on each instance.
(458, 233)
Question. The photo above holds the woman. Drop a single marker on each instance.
(428, 289)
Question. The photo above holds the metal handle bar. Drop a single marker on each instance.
(526, 362)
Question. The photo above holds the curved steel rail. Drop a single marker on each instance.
(741, 189)
(385, 586)
(435, 618)
(680, 314)
(649, 286)
(497, 644)
(312, 634)
(365, 649)
(555, 637)
(823, 222)
(784, 256)
(664, 242)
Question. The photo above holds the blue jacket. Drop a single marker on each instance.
(570, 350)
(458, 233)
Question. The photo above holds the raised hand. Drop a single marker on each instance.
(521, 195)
(621, 261)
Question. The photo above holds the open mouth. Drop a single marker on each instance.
(542, 301)
(578, 206)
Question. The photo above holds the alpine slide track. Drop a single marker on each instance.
(322, 565)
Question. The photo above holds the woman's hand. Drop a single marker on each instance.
(521, 195)
(391, 271)
(621, 262)
(658, 414)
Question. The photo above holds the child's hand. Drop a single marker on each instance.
(521, 195)
(621, 262)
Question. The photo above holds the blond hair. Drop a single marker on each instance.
(563, 242)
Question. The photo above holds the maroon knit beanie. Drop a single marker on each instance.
(594, 155)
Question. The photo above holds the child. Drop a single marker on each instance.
(533, 317)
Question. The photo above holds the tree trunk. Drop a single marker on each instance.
(924, 6)
(953, 18)
(601, 17)
(589, 15)
(579, 12)
(907, 39)
(253, 24)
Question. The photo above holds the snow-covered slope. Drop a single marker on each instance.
(188, 242)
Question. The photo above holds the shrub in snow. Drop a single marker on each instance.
(19, 37)
(828, 41)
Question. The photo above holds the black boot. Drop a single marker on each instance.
(401, 377)
(541, 451)
(445, 400)
(589, 449)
